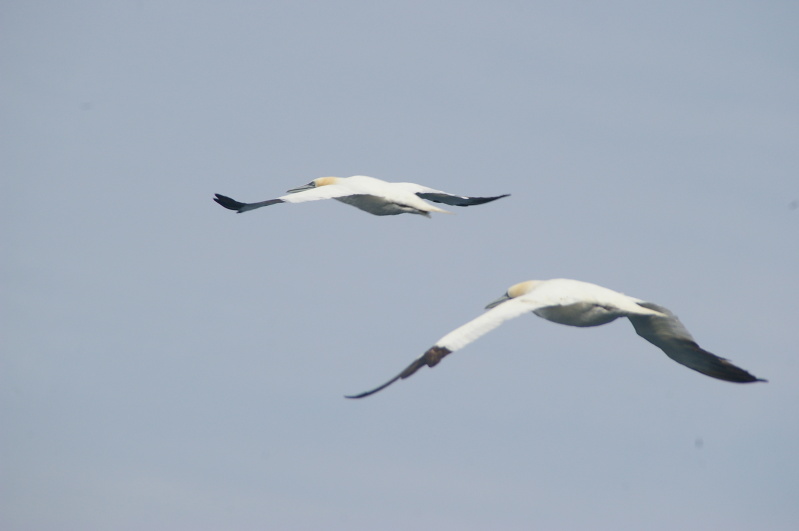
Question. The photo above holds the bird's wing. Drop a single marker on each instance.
(310, 194)
(437, 196)
(462, 336)
(238, 206)
(457, 200)
(669, 335)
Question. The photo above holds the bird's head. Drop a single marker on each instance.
(316, 183)
(514, 291)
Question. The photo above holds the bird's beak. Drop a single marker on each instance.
(497, 302)
(301, 188)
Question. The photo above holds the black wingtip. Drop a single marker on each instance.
(228, 202)
(482, 200)
(457, 200)
(430, 358)
(726, 370)
(721, 369)
(373, 391)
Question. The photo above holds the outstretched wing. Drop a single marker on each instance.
(307, 193)
(670, 336)
(460, 337)
(437, 196)
(457, 200)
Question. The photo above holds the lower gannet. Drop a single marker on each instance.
(372, 195)
(576, 303)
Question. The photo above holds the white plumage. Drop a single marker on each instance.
(576, 303)
(371, 195)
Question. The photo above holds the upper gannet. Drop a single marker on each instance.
(372, 195)
(576, 303)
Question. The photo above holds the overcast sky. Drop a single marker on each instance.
(167, 364)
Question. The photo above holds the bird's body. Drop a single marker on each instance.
(371, 195)
(577, 303)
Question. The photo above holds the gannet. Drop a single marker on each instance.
(576, 303)
(372, 195)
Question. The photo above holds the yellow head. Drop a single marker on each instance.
(521, 288)
(514, 291)
(316, 183)
(324, 181)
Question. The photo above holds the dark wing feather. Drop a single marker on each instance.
(429, 358)
(232, 204)
(457, 200)
(669, 335)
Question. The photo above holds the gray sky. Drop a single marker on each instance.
(167, 364)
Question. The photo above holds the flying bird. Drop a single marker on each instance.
(371, 195)
(576, 303)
